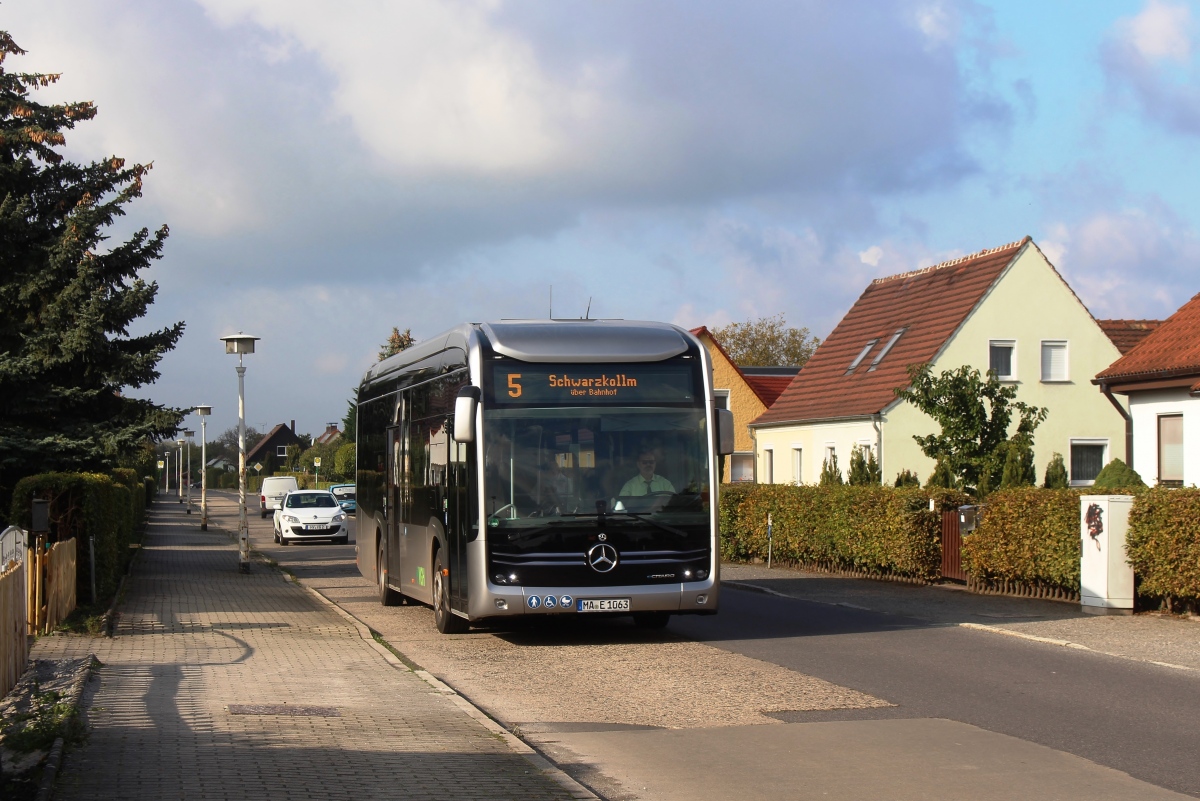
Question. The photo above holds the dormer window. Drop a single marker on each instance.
(861, 355)
(875, 362)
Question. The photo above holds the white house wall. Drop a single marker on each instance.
(812, 440)
(1145, 407)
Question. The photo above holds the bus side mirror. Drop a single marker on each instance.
(725, 432)
(465, 407)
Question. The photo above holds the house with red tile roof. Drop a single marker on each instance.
(1160, 377)
(733, 390)
(1126, 334)
(1005, 309)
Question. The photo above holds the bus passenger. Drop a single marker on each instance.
(647, 482)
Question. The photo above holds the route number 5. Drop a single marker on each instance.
(514, 388)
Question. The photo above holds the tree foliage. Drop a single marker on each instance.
(1018, 465)
(974, 415)
(831, 474)
(766, 342)
(1056, 473)
(863, 469)
(66, 354)
(397, 342)
(1117, 475)
(350, 421)
(907, 478)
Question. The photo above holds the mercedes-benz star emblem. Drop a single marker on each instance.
(602, 558)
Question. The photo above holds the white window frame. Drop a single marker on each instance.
(886, 349)
(1086, 441)
(798, 464)
(1011, 343)
(722, 393)
(768, 462)
(862, 354)
(1066, 347)
(1158, 466)
(281, 451)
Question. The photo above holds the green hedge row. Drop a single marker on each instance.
(883, 531)
(1027, 535)
(87, 505)
(1164, 543)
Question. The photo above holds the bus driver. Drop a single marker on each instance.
(646, 482)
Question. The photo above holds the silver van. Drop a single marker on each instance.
(274, 488)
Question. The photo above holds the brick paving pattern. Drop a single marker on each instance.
(195, 637)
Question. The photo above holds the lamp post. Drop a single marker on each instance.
(204, 412)
(188, 434)
(241, 344)
(179, 467)
(167, 472)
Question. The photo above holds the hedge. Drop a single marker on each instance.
(871, 530)
(84, 505)
(1026, 535)
(1164, 543)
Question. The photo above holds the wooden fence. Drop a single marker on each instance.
(14, 643)
(51, 596)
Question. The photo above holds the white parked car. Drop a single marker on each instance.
(310, 515)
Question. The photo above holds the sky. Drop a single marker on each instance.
(329, 171)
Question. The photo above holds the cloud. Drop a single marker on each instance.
(1150, 58)
(1130, 262)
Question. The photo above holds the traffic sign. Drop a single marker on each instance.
(316, 461)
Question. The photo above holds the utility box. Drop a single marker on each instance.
(1105, 577)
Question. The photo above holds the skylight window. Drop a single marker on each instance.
(861, 355)
(875, 362)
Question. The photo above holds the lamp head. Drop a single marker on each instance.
(189, 434)
(239, 343)
(204, 411)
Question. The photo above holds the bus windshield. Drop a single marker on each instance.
(568, 463)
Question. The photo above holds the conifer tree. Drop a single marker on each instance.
(66, 354)
(830, 472)
(1056, 473)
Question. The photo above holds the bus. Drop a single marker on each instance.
(543, 467)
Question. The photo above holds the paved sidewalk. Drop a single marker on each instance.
(223, 685)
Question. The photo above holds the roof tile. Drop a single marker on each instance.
(929, 305)
(1174, 347)
(1126, 334)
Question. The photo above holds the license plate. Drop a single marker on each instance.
(602, 605)
(314, 527)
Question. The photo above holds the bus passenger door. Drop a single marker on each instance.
(392, 505)
(457, 522)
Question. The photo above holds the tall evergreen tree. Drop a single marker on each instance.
(66, 355)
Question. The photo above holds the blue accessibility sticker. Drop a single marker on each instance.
(565, 601)
(533, 601)
(550, 602)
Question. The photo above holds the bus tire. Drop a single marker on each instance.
(447, 622)
(387, 596)
(651, 620)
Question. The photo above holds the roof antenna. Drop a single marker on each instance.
(552, 301)
(587, 314)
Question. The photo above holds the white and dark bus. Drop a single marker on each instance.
(543, 467)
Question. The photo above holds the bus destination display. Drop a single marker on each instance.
(574, 384)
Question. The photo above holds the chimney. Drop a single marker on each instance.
(293, 428)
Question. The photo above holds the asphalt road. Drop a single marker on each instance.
(970, 714)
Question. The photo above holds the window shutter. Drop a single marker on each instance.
(1054, 361)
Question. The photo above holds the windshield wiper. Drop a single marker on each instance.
(601, 515)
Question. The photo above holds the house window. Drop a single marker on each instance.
(798, 465)
(1170, 450)
(1002, 359)
(1054, 361)
(768, 473)
(281, 451)
(875, 362)
(1087, 458)
(721, 398)
(862, 354)
(741, 467)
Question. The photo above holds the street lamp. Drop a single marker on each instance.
(204, 412)
(188, 434)
(241, 344)
(179, 468)
(167, 472)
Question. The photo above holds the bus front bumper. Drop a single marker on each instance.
(698, 597)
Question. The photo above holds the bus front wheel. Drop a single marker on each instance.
(447, 622)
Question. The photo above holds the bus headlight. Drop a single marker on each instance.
(701, 574)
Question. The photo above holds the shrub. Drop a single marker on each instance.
(863, 470)
(1117, 475)
(876, 530)
(83, 505)
(1018, 465)
(831, 474)
(907, 478)
(1056, 473)
(1029, 535)
(1164, 542)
